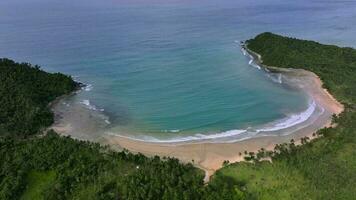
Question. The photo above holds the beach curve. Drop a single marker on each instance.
(209, 156)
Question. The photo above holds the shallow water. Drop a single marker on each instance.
(171, 69)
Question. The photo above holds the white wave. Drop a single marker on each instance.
(279, 78)
(75, 78)
(87, 104)
(253, 64)
(275, 77)
(229, 133)
(172, 131)
(66, 104)
(291, 120)
(88, 87)
(232, 135)
(252, 59)
(196, 137)
(244, 51)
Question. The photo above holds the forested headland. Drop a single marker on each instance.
(25, 92)
(324, 168)
(54, 167)
(35, 165)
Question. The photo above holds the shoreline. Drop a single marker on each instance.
(210, 156)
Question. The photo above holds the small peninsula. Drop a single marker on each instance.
(311, 163)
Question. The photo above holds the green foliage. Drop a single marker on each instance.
(54, 167)
(324, 168)
(334, 65)
(262, 181)
(85, 170)
(25, 92)
(37, 183)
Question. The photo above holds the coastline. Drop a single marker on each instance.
(210, 156)
(207, 155)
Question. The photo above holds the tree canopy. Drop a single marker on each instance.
(335, 66)
(25, 92)
(56, 167)
(324, 168)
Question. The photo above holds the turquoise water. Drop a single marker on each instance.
(170, 69)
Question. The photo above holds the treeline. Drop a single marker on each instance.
(55, 167)
(324, 168)
(25, 92)
(334, 65)
(85, 170)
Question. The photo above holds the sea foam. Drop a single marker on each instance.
(196, 137)
(292, 120)
(277, 78)
(244, 51)
(252, 63)
(88, 105)
(88, 87)
(172, 131)
(232, 135)
(92, 107)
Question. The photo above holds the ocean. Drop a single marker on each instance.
(170, 70)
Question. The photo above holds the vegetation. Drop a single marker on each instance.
(25, 92)
(37, 181)
(54, 167)
(324, 168)
(334, 65)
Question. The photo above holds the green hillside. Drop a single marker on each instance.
(326, 167)
(55, 167)
(25, 92)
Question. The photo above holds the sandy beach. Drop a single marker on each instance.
(209, 155)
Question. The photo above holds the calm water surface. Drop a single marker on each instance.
(170, 69)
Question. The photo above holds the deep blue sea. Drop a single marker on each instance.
(170, 68)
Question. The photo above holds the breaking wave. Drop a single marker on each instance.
(88, 105)
(236, 134)
(88, 87)
(292, 120)
(196, 137)
(253, 63)
(92, 107)
(277, 78)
